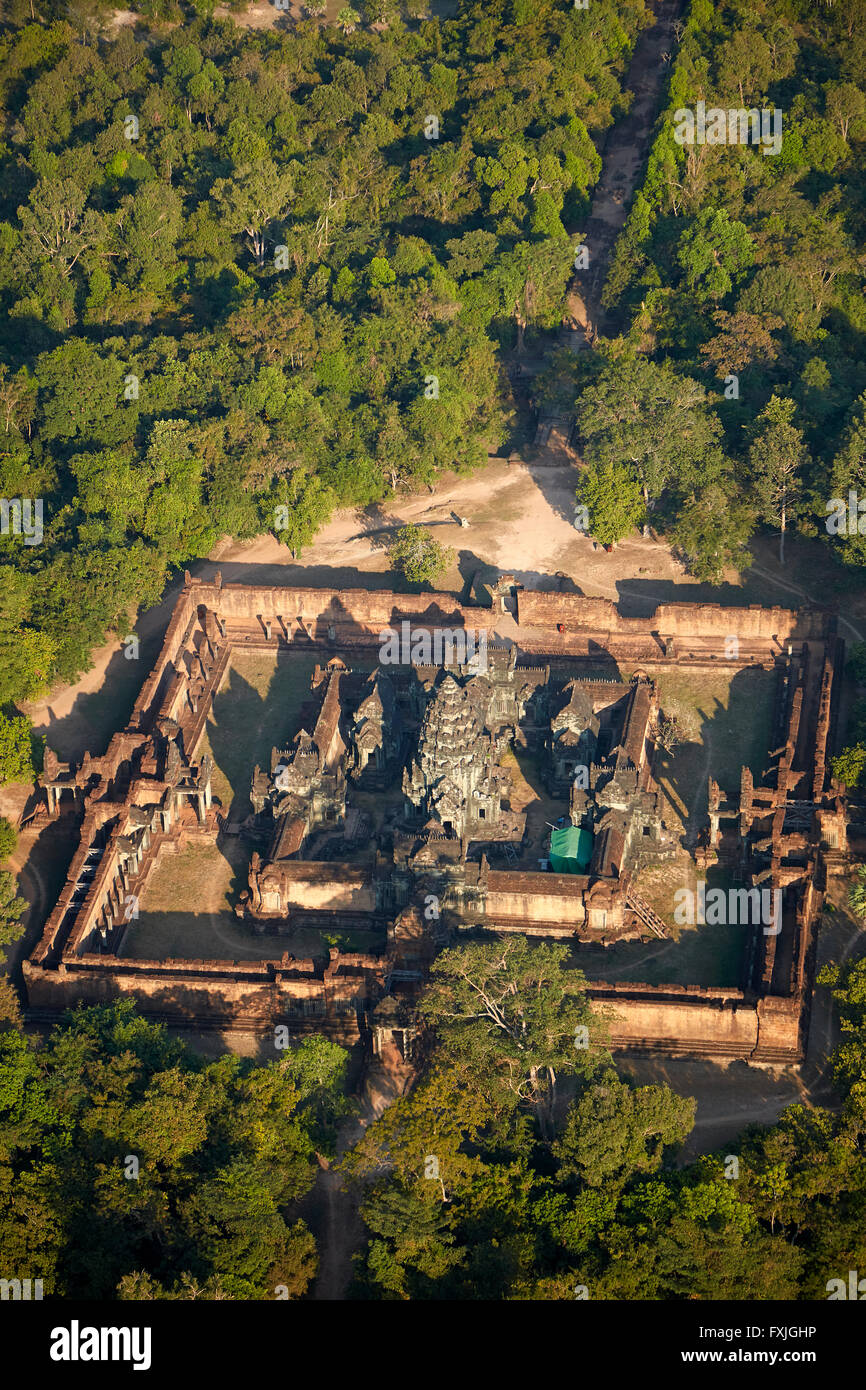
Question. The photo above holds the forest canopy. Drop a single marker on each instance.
(738, 282)
(244, 270)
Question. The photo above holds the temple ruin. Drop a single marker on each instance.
(389, 812)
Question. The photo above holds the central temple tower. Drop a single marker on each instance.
(454, 779)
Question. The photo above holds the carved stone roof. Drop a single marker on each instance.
(378, 704)
(576, 714)
(451, 733)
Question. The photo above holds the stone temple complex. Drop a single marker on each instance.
(389, 813)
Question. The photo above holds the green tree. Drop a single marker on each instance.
(848, 474)
(26, 652)
(612, 494)
(857, 662)
(11, 909)
(857, 892)
(225, 1148)
(777, 459)
(252, 200)
(8, 838)
(846, 107)
(17, 404)
(512, 1012)
(143, 1287)
(648, 417)
(413, 1244)
(16, 758)
(712, 529)
(348, 19)
(745, 65)
(418, 556)
(615, 1131)
(742, 340)
(240, 1234)
(10, 1009)
(81, 396)
(58, 226)
(713, 252)
(704, 1243)
(441, 1117)
(848, 984)
(849, 766)
(299, 506)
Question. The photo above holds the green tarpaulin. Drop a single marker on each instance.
(570, 850)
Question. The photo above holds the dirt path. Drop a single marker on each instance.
(334, 1218)
(625, 152)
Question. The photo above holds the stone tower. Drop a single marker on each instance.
(453, 778)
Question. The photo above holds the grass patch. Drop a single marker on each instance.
(186, 909)
(695, 954)
(703, 955)
(207, 880)
(258, 708)
(727, 721)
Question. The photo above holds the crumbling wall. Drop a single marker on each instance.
(695, 1020)
(217, 994)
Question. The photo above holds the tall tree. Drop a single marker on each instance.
(512, 1012)
(647, 416)
(418, 555)
(255, 198)
(777, 459)
(848, 474)
(714, 252)
(612, 495)
(615, 1131)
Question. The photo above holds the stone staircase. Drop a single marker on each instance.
(646, 914)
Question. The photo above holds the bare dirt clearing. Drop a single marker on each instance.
(265, 14)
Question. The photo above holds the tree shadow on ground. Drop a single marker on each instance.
(159, 935)
(243, 725)
(729, 1095)
(300, 576)
(96, 715)
(701, 954)
(637, 598)
(557, 484)
(729, 739)
(374, 522)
